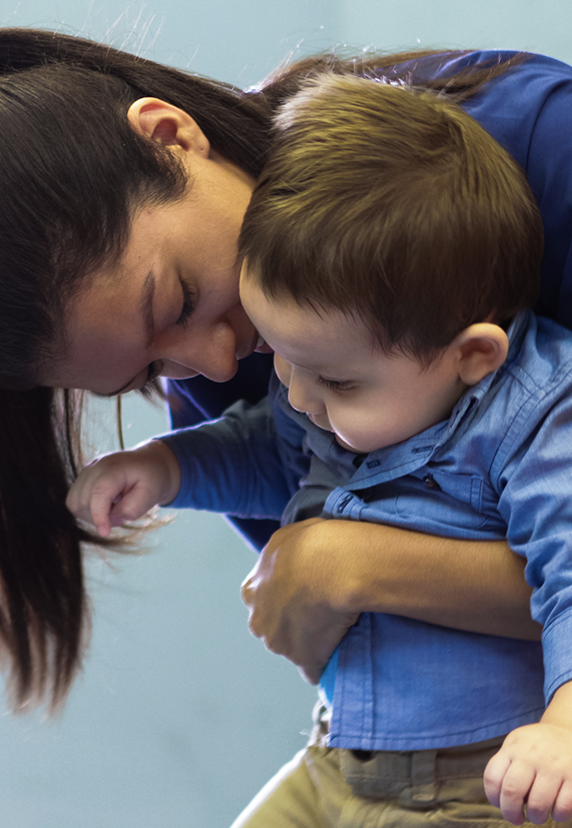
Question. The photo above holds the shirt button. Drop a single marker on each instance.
(343, 503)
(430, 483)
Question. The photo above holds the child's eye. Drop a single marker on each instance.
(335, 385)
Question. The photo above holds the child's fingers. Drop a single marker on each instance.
(515, 787)
(122, 486)
(541, 797)
(103, 500)
(133, 504)
(494, 775)
(562, 809)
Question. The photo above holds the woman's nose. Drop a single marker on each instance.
(211, 353)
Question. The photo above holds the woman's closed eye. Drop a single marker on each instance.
(188, 305)
(153, 371)
(335, 385)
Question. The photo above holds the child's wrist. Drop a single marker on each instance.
(559, 711)
(168, 470)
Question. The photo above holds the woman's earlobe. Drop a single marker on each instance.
(482, 349)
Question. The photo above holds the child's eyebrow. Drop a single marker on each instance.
(317, 369)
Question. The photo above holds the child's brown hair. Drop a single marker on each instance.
(393, 204)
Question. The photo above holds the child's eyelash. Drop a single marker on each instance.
(334, 385)
(188, 305)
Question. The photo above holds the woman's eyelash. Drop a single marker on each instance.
(334, 385)
(149, 386)
(188, 305)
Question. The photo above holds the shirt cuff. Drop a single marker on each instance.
(557, 650)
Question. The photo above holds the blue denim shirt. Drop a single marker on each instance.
(498, 467)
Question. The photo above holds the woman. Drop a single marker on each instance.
(124, 186)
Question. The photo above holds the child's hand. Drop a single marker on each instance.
(533, 768)
(123, 486)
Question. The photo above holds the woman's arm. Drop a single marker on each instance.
(314, 578)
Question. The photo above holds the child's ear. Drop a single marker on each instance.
(172, 126)
(481, 349)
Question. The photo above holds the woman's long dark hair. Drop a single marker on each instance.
(72, 172)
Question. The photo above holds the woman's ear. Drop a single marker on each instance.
(168, 124)
(481, 349)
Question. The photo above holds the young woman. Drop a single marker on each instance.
(124, 184)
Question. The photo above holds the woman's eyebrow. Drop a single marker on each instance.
(146, 305)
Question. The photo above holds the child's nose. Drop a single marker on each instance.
(302, 397)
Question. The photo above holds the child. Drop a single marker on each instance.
(390, 251)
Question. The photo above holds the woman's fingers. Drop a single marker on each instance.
(288, 596)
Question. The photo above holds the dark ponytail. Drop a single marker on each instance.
(42, 611)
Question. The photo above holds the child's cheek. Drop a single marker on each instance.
(283, 370)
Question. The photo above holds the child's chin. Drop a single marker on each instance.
(347, 446)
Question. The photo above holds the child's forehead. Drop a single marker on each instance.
(324, 342)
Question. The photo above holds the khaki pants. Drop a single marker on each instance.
(332, 788)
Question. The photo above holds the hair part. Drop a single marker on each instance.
(390, 203)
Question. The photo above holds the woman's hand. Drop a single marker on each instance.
(123, 486)
(293, 593)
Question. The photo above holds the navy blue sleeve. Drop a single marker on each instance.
(197, 400)
(233, 464)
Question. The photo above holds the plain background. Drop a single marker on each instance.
(180, 715)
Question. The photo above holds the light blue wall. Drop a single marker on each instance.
(180, 716)
(533, 25)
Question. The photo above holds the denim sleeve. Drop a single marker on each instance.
(238, 464)
(536, 501)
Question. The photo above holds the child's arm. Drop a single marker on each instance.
(125, 485)
(237, 464)
(534, 766)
